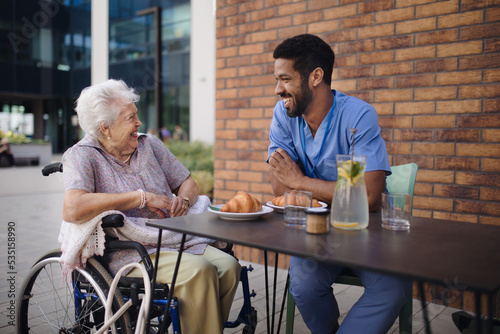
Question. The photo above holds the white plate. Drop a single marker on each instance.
(240, 216)
(280, 208)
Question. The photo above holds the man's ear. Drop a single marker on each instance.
(316, 76)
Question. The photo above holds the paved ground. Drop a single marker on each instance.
(31, 204)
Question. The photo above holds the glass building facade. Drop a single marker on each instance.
(45, 59)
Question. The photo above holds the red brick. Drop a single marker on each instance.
(415, 108)
(458, 78)
(489, 221)
(436, 93)
(440, 65)
(481, 61)
(393, 95)
(491, 135)
(480, 31)
(263, 14)
(406, 3)
(460, 19)
(346, 85)
(398, 148)
(478, 150)
(356, 47)
(414, 26)
(244, 71)
(321, 4)
(237, 61)
(259, 145)
(323, 26)
(356, 72)
(259, 166)
(251, 113)
(236, 19)
(279, 22)
(458, 135)
(422, 52)
(455, 217)
(492, 75)
(225, 155)
(455, 163)
(377, 83)
(458, 107)
(291, 31)
(480, 121)
(426, 162)
(341, 36)
(357, 21)
(413, 135)
(397, 42)
(227, 52)
(490, 165)
(226, 93)
(437, 37)
(263, 102)
(492, 14)
(415, 81)
(344, 61)
(459, 49)
(225, 175)
(226, 11)
(422, 189)
(261, 187)
(490, 194)
(432, 203)
(225, 113)
(492, 45)
(446, 149)
(435, 176)
(340, 12)
(238, 103)
(226, 73)
(375, 6)
(250, 6)
(237, 186)
(441, 190)
(251, 155)
(380, 30)
(393, 69)
(395, 15)
(306, 18)
(271, 3)
(475, 4)
(237, 165)
(438, 121)
(491, 105)
(251, 27)
(482, 208)
(438, 8)
(384, 108)
(294, 8)
(237, 145)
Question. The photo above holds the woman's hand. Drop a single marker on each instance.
(175, 206)
(179, 207)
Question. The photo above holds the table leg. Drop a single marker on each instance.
(163, 328)
(490, 313)
(267, 291)
(420, 287)
(285, 293)
(158, 246)
(274, 290)
(478, 312)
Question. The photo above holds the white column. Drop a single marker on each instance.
(100, 40)
(202, 77)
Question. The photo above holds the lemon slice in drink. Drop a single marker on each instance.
(344, 225)
(350, 170)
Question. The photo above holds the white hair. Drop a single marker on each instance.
(101, 104)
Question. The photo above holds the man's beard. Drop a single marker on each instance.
(301, 101)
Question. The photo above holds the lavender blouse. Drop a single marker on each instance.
(153, 168)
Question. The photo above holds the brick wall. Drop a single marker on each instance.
(430, 68)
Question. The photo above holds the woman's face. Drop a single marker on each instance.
(123, 132)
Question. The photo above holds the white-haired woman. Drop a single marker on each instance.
(116, 168)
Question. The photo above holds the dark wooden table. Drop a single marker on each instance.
(456, 254)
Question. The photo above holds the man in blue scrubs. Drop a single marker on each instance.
(311, 125)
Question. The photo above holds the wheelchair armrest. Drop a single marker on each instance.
(116, 244)
(115, 220)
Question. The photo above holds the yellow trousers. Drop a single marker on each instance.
(205, 287)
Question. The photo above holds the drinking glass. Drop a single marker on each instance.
(296, 204)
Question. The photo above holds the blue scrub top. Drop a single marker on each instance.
(350, 112)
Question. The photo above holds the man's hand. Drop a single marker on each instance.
(284, 169)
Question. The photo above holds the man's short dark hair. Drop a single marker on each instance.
(307, 52)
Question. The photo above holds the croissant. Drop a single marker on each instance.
(280, 201)
(242, 203)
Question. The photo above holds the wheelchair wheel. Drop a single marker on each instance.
(47, 305)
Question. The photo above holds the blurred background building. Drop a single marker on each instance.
(46, 55)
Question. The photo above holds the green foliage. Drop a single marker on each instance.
(15, 138)
(198, 158)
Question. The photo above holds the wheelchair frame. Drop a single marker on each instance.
(79, 306)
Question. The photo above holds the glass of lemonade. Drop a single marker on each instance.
(350, 201)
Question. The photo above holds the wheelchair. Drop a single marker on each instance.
(47, 304)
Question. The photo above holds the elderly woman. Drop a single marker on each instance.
(116, 168)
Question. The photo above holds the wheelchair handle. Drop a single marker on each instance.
(52, 168)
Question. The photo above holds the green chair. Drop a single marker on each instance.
(402, 180)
